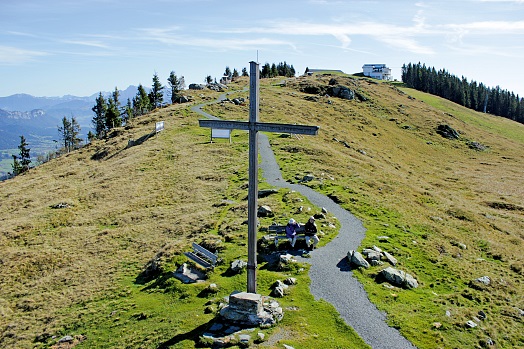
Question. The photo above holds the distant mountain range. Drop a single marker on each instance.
(38, 118)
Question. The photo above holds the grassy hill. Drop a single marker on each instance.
(101, 267)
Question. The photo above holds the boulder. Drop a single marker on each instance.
(392, 260)
(266, 192)
(399, 278)
(265, 211)
(196, 86)
(372, 255)
(188, 275)
(341, 92)
(357, 259)
(447, 131)
(287, 258)
(238, 265)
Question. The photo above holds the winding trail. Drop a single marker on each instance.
(331, 277)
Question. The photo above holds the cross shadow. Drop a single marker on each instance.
(192, 335)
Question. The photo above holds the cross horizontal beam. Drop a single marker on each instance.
(260, 126)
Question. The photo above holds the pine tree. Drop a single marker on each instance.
(244, 72)
(99, 120)
(156, 96)
(141, 103)
(75, 140)
(128, 114)
(235, 74)
(176, 86)
(22, 165)
(65, 134)
(69, 132)
(113, 118)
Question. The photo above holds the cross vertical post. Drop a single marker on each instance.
(253, 178)
(253, 126)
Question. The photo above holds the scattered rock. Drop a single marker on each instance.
(244, 338)
(448, 313)
(471, 324)
(265, 211)
(290, 281)
(308, 178)
(372, 255)
(266, 192)
(66, 339)
(287, 259)
(392, 260)
(477, 146)
(237, 266)
(324, 210)
(480, 283)
(383, 238)
(196, 86)
(188, 275)
(357, 259)
(448, 132)
(482, 315)
(399, 278)
(61, 205)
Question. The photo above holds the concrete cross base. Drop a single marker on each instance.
(252, 309)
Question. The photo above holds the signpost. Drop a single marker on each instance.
(253, 126)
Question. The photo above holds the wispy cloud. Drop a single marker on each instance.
(13, 55)
(97, 44)
(171, 36)
(401, 37)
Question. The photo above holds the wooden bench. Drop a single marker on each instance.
(202, 256)
(278, 232)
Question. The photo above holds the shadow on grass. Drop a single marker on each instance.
(192, 335)
(160, 280)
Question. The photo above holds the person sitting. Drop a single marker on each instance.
(291, 232)
(310, 231)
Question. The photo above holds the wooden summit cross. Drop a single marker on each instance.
(253, 126)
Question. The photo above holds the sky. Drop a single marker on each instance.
(81, 47)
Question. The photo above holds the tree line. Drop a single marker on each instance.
(110, 113)
(471, 94)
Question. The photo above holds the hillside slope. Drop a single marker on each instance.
(453, 214)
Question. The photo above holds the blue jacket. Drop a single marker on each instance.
(291, 230)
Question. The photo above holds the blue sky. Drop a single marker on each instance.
(80, 47)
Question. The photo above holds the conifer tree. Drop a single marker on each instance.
(227, 72)
(141, 101)
(22, 165)
(176, 84)
(244, 72)
(99, 120)
(69, 132)
(113, 118)
(65, 134)
(156, 96)
(128, 114)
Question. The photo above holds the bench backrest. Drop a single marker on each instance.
(281, 229)
(206, 253)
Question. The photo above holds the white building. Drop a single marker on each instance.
(377, 71)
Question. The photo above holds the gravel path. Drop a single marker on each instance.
(331, 277)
